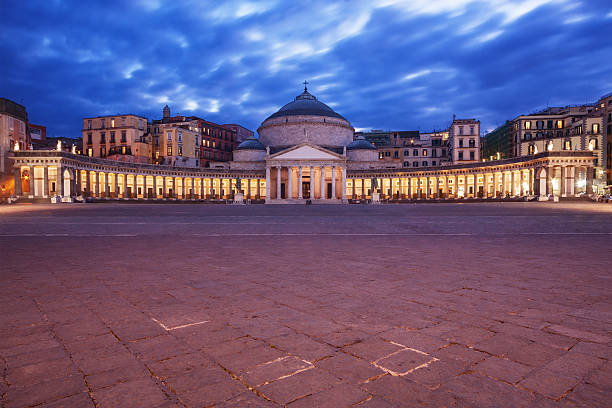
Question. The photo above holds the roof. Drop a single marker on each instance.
(251, 144)
(360, 144)
(305, 104)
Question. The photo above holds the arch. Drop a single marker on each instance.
(67, 185)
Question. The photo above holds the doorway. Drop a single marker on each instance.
(283, 192)
(329, 190)
(306, 189)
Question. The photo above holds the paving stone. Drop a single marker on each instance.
(213, 394)
(484, 392)
(375, 403)
(587, 395)
(415, 340)
(247, 399)
(137, 393)
(342, 395)
(182, 364)
(403, 361)
(45, 392)
(459, 352)
(579, 334)
(302, 346)
(372, 349)
(158, 348)
(574, 365)
(468, 335)
(197, 378)
(549, 384)
(400, 391)
(81, 400)
(593, 349)
(299, 385)
(39, 372)
(274, 370)
(502, 369)
(115, 376)
(349, 368)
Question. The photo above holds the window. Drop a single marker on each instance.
(89, 124)
(549, 124)
(169, 151)
(415, 164)
(424, 153)
(567, 145)
(531, 149)
(139, 123)
(579, 130)
(443, 152)
(112, 137)
(381, 155)
(89, 138)
(540, 124)
(169, 136)
(180, 136)
(90, 152)
(415, 152)
(406, 153)
(460, 142)
(123, 149)
(527, 124)
(471, 130)
(103, 151)
(102, 123)
(112, 122)
(472, 155)
(424, 164)
(593, 144)
(539, 135)
(123, 136)
(460, 130)
(387, 154)
(180, 150)
(434, 153)
(595, 128)
(472, 143)
(123, 121)
(102, 137)
(460, 155)
(156, 140)
(527, 136)
(396, 154)
(559, 124)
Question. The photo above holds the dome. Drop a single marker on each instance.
(250, 144)
(305, 104)
(360, 143)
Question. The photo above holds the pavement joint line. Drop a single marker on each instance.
(319, 234)
(405, 348)
(163, 326)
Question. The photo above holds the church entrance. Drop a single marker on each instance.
(283, 192)
(306, 189)
(329, 190)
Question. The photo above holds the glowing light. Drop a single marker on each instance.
(550, 147)
(73, 149)
(555, 184)
(16, 147)
(59, 146)
(581, 183)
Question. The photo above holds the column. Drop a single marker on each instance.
(145, 190)
(300, 183)
(267, 184)
(201, 188)
(549, 177)
(503, 184)
(278, 182)
(323, 196)
(79, 187)
(512, 183)
(409, 188)
(31, 170)
(46, 181)
(343, 170)
(289, 182)
(248, 194)
(571, 181)
(183, 188)
(59, 184)
(465, 185)
(18, 191)
(531, 181)
(212, 187)
(116, 184)
(485, 185)
(312, 177)
(192, 188)
(437, 195)
(333, 182)
(475, 185)
(73, 184)
(97, 178)
(562, 183)
(589, 180)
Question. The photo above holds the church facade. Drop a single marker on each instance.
(305, 151)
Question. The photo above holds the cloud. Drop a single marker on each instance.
(382, 64)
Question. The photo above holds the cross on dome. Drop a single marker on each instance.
(305, 86)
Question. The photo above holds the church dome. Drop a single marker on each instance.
(360, 143)
(305, 120)
(250, 144)
(305, 104)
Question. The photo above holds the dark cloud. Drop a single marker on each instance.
(405, 66)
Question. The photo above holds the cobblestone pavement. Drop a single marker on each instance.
(430, 305)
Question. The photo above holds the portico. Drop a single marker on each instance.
(306, 172)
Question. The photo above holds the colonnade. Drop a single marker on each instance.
(562, 181)
(48, 180)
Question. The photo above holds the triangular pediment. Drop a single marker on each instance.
(306, 152)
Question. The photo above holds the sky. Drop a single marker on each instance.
(382, 64)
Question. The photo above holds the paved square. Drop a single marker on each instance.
(181, 305)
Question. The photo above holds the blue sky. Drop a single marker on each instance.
(382, 64)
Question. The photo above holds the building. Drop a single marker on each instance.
(604, 105)
(307, 151)
(176, 145)
(13, 136)
(38, 136)
(215, 142)
(409, 148)
(497, 144)
(242, 133)
(117, 137)
(464, 141)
